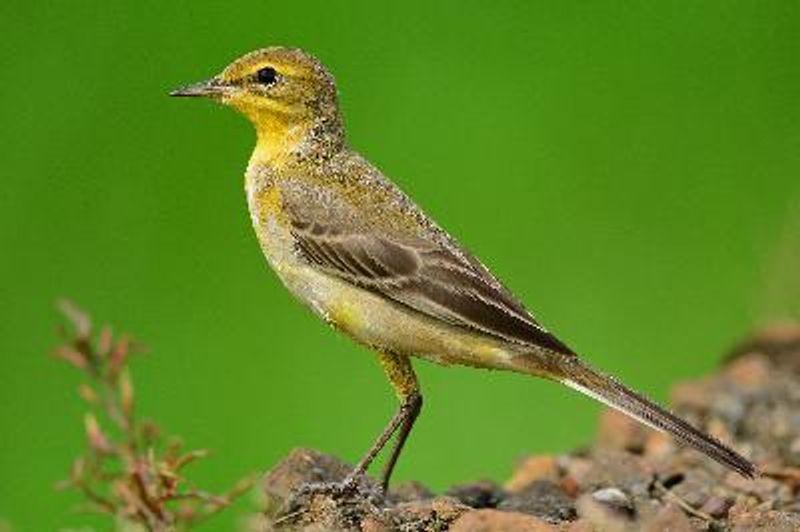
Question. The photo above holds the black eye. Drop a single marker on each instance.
(267, 76)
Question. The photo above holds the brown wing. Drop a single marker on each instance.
(424, 276)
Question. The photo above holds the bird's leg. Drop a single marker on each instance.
(401, 375)
(414, 407)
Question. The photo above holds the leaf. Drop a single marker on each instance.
(88, 394)
(126, 394)
(104, 342)
(119, 356)
(97, 440)
(79, 319)
(71, 356)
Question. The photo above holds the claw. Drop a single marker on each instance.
(349, 486)
(350, 482)
(356, 484)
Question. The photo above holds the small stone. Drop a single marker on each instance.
(741, 506)
(618, 431)
(570, 487)
(616, 500)
(488, 520)
(373, 524)
(579, 469)
(544, 499)
(719, 429)
(717, 507)
(750, 373)
(766, 521)
(762, 487)
(695, 499)
(794, 450)
(481, 494)
(658, 445)
(779, 342)
(532, 469)
(668, 518)
(606, 467)
(729, 408)
(410, 491)
(448, 508)
(600, 517)
(582, 525)
(694, 395)
(438, 513)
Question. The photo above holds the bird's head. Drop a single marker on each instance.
(283, 91)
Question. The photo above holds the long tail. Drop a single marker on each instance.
(605, 389)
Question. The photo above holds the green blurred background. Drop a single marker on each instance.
(650, 156)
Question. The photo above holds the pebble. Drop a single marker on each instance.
(616, 500)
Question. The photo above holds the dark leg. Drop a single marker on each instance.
(401, 375)
(415, 405)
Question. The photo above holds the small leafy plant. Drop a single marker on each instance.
(128, 470)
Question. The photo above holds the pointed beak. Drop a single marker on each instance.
(212, 88)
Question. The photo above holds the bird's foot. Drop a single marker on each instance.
(356, 484)
(336, 489)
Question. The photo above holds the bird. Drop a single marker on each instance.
(353, 247)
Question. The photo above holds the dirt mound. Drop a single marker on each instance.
(630, 479)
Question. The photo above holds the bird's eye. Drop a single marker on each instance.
(267, 75)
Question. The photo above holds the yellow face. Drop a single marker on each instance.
(272, 86)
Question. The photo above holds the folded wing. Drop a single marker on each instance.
(443, 284)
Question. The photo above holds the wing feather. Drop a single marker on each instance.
(427, 277)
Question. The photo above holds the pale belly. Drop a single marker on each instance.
(375, 321)
(366, 316)
(387, 326)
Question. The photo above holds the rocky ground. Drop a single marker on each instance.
(630, 479)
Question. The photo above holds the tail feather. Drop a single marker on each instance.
(607, 390)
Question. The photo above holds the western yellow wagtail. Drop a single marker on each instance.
(348, 243)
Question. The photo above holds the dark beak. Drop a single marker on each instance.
(213, 87)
